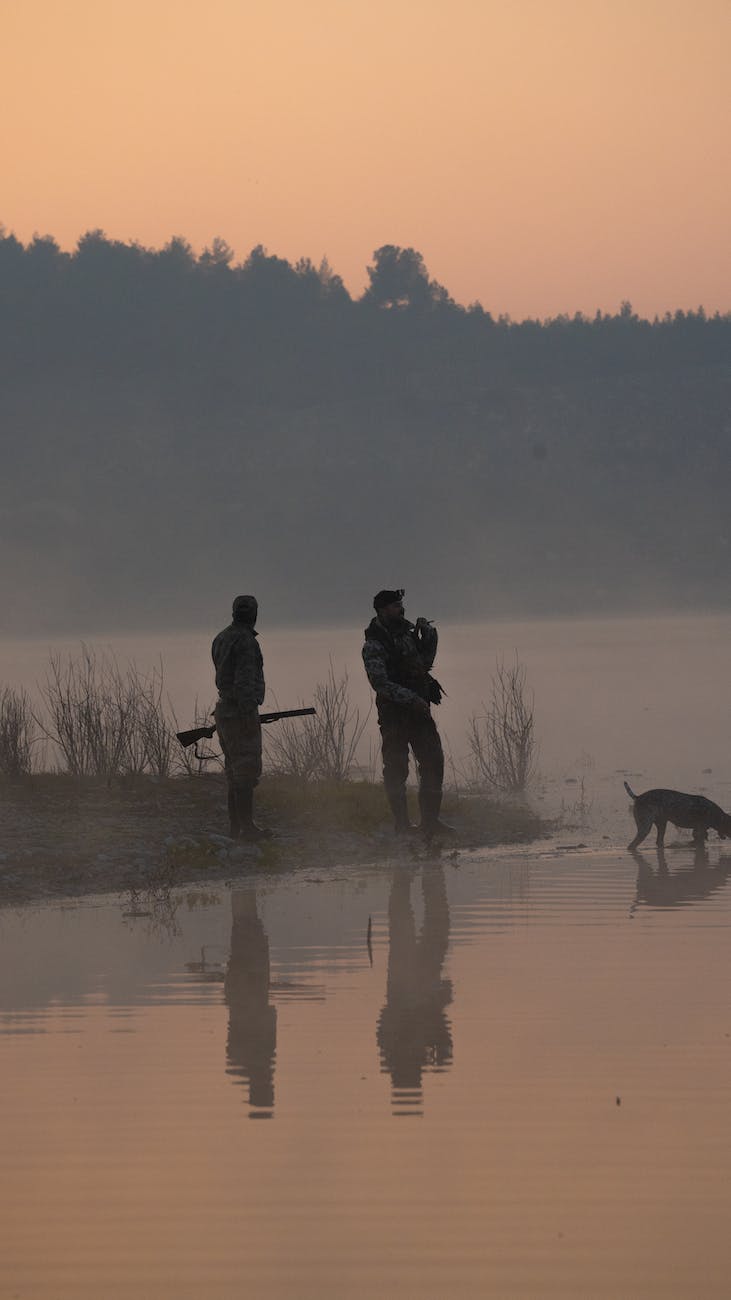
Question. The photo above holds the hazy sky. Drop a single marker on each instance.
(543, 155)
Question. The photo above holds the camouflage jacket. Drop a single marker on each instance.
(239, 667)
(398, 660)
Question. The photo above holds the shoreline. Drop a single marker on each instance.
(63, 837)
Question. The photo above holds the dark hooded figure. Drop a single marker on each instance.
(398, 658)
(240, 681)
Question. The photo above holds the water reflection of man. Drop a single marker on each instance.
(252, 1022)
(413, 1029)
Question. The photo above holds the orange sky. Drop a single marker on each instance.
(543, 155)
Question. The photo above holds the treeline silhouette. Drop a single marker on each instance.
(178, 428)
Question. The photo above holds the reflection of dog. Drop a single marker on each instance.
(663, 888)
(689, 811)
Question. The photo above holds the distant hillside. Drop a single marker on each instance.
(178, 429)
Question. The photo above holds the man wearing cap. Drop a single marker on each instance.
(240, 681)
(398, 657)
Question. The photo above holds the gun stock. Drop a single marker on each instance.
(188, 738)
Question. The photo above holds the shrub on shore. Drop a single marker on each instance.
(112, 726)
(17, 733)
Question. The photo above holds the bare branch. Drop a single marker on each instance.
(324, 747)
(17, 733)
(502, 740)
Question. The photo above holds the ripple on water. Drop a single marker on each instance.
(554, 1025)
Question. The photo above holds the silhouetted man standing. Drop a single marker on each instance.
(398, 657)
(240, 682)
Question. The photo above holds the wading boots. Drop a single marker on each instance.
(430, 801)
(241, 816)
(233, 815)
(400, 810)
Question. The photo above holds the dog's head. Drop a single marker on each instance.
(723, 826)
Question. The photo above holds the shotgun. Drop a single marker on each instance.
(188, 738)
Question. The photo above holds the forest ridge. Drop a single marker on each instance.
(177, 428)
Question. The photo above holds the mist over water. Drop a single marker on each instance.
(642, 695)
(314, 446)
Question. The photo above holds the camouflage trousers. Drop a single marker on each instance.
(239, 735)
(403, 729)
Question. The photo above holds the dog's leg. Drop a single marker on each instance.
(643, 821)
(661, 823)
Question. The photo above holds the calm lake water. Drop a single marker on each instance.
(522, 1089)
(646, 695)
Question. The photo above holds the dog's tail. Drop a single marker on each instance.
(630, 792)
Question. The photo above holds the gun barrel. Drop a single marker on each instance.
(286, 713)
